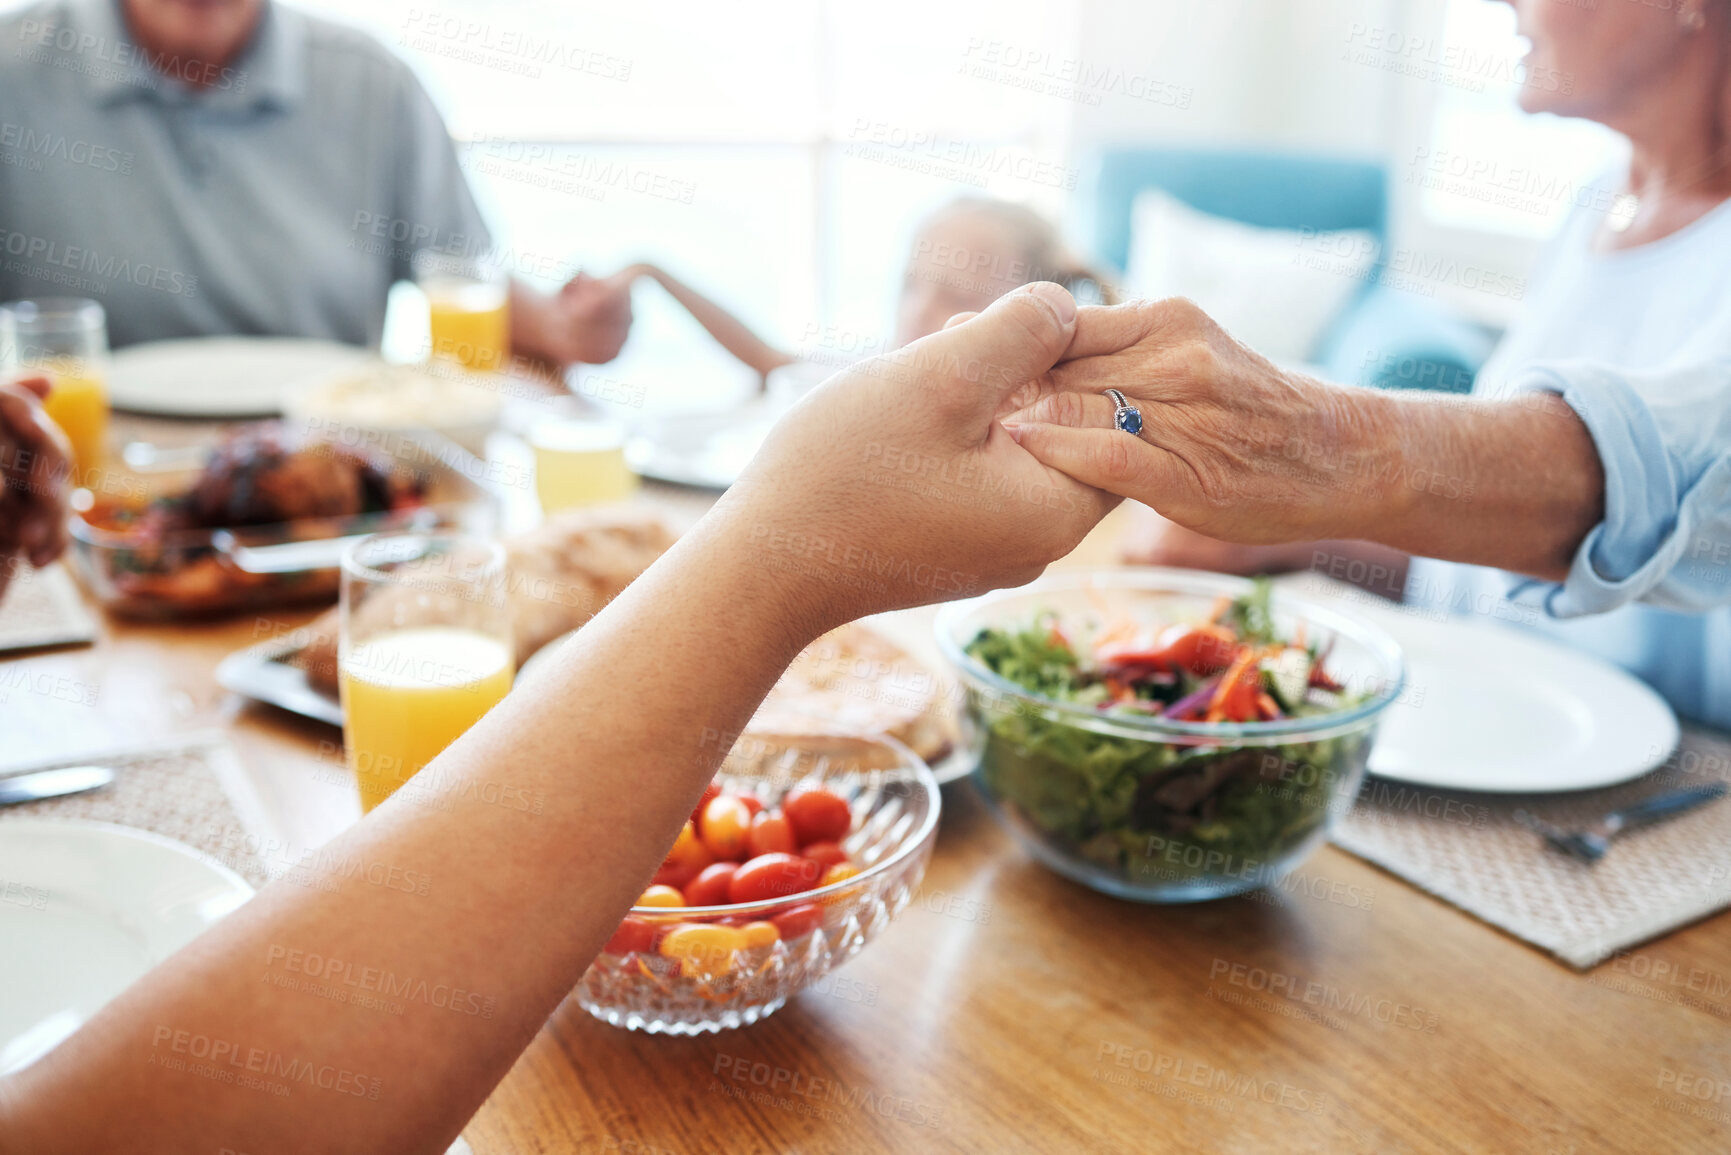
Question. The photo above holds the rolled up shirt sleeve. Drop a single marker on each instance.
(1664, 438)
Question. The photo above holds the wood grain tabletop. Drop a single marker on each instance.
(1009, 1010)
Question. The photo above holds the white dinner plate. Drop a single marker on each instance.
(710, 450)
(1493, 708)
(221, 376)
(705, 450)
(85, 909)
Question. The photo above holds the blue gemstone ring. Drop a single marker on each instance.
(1128, 417)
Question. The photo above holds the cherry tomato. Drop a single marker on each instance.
(1200, 649)
(726, 827)
(709, 792)
(662, 896)
(752, 803)
(828, 853)
(634, 936)
(818, 815)
(773, 876)
(798, 921)
(704, 947)
(760, 934)
(685, 861)
(840, 872)
(772, 832)
(710, 887)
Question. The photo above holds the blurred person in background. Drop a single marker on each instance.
(1634, 290)
(965, 255)
(35, 463)
(209, 167)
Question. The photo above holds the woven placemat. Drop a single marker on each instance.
(41, 607)
(192, 791)
(1468, 850)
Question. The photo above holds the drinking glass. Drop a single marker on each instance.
(468, 313)
(579, 461)
(424, 650)
(66, 340)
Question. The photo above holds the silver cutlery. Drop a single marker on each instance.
(40, 784)
(1590, 843)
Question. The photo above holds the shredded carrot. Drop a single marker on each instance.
(1221, 605)
(1234, 672)
(1267, 705)
(1105, 609)
(1124, 627)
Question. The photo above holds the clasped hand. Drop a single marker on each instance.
(970, 459)
(35, 462)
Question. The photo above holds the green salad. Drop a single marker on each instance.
(1165, 810)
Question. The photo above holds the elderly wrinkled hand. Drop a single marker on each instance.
(1234, 447)
(35, 464)
(1231, 445)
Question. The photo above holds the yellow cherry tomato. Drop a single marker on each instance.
(726, 828)
(841, 871)
(758, 934)
(706, 948)
(662, 896)
(686, 860)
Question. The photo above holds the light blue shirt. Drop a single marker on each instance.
(1638, 343)
(282, 199)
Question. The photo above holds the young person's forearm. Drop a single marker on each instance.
(1513, 484)
(729, 331)
(552, 813)
(504, 903)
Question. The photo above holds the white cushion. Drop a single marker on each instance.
(1276, 290)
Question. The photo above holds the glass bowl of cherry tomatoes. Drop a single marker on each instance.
(800, 852)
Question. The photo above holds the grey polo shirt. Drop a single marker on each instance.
(283, 199)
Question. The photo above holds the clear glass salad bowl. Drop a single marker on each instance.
(1154, 809)
(895, 804)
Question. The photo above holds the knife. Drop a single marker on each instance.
(40, 784)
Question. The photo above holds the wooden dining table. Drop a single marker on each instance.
(1007, 1009)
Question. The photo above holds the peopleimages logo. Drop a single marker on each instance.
(22, 142)
(43, 256)
(380, 981)
(1457, 65)
(226, 1061)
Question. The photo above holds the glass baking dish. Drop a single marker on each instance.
(194, 573)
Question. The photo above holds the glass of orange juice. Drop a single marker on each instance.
(579, 461)
(66, 340)
(424, 650)
(468, 309)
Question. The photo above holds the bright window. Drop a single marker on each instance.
(1490, 166)
(777, 155)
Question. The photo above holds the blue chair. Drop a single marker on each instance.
(1382, 338)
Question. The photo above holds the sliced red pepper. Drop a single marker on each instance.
(1201, 650)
